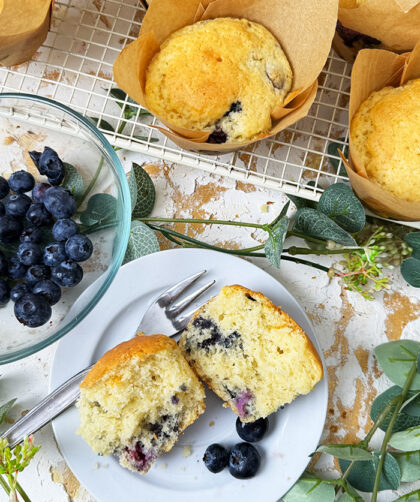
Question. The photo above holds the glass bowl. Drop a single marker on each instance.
(29, 122)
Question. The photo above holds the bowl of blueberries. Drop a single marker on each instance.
(65, 215)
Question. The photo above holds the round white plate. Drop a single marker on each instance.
(178, 477)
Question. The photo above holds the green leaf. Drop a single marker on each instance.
(412, 405)
(409, 463)
(128, 111)
(346, 451)
(310, 489)
(409, 497)
(4, 409)
(132, 185)
(102, 124)
(300, 202)
(73, 181)
(333, 148)
(410, 270)
(283, 212)
(408, 440)
(341, 205)
(142, 241)
(101, 207)
(397, 358)
(413, 240)
(362, 475)
(404, 420)
(146, 194)
(146, 138)
(316, 224)
(274, 244)
(350, 495)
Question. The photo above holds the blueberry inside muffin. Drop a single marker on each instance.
(224, 76)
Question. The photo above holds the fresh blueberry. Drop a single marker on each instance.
(244, 461)
(216, 458)
(49, 290)
(68, 274)
(35, 157)
(79, 247)
(37, 273)
(37, 215)
(4, 187)
(31, 234)
(10, 228)
(253, 431)
(15, 269)
(51, 165)
(2, 209)
(18, 290)
(38, 193)
(21, 182)
(3, 264)
(17, 204)
(54, 254)
(4, 292)
(29, 253)
(32, 310)
(218, 136)
(59, 202)
(64, 229)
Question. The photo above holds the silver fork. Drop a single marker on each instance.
(163, 316)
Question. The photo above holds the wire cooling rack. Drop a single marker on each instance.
(74, 66)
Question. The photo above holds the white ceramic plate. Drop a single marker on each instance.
(294, 431)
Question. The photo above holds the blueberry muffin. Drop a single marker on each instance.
(252, 354)
(225, 76)
(137, 399)
(385, 137)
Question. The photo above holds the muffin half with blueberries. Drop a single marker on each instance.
(137, 399)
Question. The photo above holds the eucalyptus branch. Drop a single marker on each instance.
(92, 182)
(201, 221)
(319, 252)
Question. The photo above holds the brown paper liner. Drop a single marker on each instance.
(304, 30)
(373, 70)
(24, 25)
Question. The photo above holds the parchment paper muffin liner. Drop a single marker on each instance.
(373, 70)
(394, 23)
(304, 30)
(24, 25)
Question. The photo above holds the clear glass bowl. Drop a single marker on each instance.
(29, 122)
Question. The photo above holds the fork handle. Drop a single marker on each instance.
(55, 403)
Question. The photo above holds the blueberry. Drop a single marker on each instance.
(68, 274)
(253, 431)
(35, 157)
(15, 269)
(2, 209)
(3, 264)
(37, 215)
(59, 202)
(31, 234)
(51, 165)
(17, 204)
(54, 254)
(37, 273)
(216, 458)
(49, 290)
(38, 193)
(18, 290)
(10, 228)
(29, 253)
(4, 292)
(79, 247)
(64, 229)
(218, 136)
(32, 310)
(244, 461)
(21, 182)
(4, 187)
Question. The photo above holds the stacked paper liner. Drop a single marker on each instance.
(304, 29)
(373, 70)
(24, 25)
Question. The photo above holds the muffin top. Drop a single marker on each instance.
(225, 76)
(385, 135)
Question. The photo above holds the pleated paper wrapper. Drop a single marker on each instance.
(304, 29)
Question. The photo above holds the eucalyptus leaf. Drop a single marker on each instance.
(300, 202)
(397, 358)
(409, 463)
(403, 421)
(5, 408)
(410, 497)
(333, 148)
(316, 224)
(274, 244)
(346, 451)
(132, 185)
(73, 181)
(146, 193)
(310, 489)
(350, 495)
(102, 124)
(341, 205)
(100, 208)
(142, 241)
(128, 110)
(283, 212)
(413, 240)
(362, 475)
(410, 270)
(408, 440)
(412, 405)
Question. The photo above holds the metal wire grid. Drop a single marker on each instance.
(74, 66)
